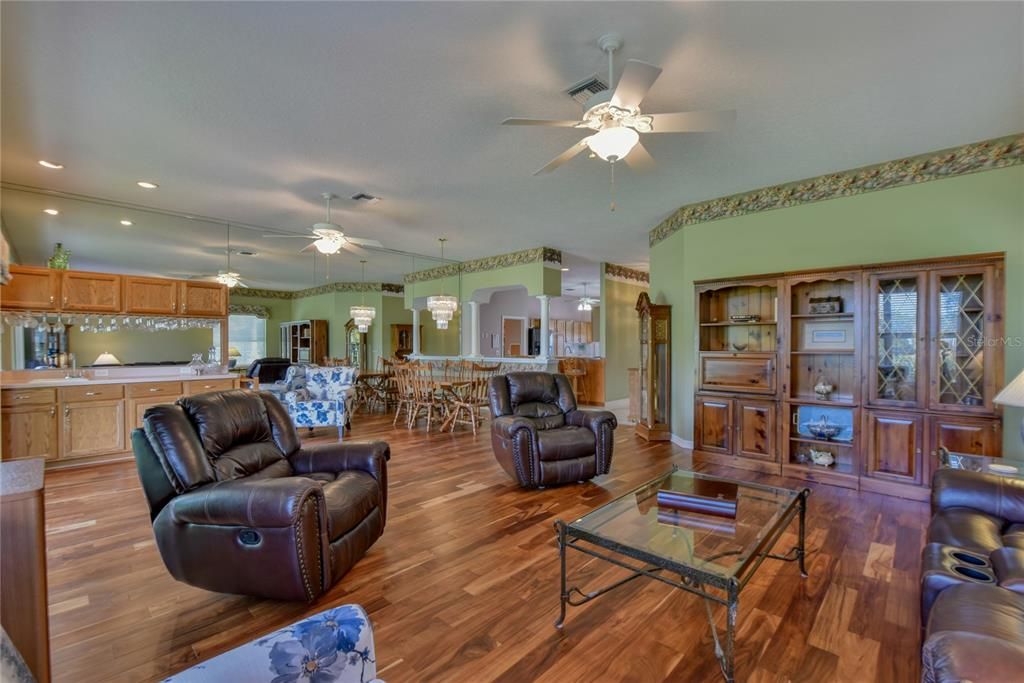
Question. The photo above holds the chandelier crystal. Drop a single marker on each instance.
(442, 307)
(362, 315)
(228, 278)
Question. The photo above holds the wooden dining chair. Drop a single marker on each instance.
(406, 393)
(425, 398)
(469, 397)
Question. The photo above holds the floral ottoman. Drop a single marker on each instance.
(334, 646)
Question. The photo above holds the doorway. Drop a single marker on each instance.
(513, 336)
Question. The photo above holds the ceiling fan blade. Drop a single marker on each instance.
(309, 247)
(564, 157)
(639, 158)
(693, 121)
(290, 237)
(241, 284)
(540, 122)
(637, 78)
(346, 244)
(364, 242)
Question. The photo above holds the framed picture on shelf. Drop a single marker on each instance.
(826, 336)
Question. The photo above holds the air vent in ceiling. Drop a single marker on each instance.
(363, 197)
(585, 89)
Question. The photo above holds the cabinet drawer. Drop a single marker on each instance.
(140, 389)
(748, 373)
(94, 393)
(11, 398)
(202, 386)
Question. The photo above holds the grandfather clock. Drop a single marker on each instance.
(655, 370)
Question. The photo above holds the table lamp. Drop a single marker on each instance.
(106, 358)
(233, 355)
(1013, 395)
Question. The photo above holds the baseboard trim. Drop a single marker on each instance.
(681, 442)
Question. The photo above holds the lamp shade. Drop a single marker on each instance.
(1013, 393)
(106, 358)
(613, 143)
(233, 352)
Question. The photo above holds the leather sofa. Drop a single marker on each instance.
(268, 370)
(972, 582)
(239, 505)
(539, 436)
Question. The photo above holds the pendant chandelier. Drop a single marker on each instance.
(363, 315)
(586, 303)
(442, 307)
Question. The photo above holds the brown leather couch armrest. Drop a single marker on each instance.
(508, 425)
(982, 491)
(266, 503)
(369, 456)
(591, 419)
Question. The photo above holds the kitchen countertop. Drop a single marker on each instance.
(64, 382)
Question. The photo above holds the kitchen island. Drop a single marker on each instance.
(72, 421)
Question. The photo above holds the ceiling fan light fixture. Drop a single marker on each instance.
(614, 143)
(326, 245)
(228, 279)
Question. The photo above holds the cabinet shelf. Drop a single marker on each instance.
(807, 400)
(831, 352)
(729, 323)
(822, 316)
(821, 442)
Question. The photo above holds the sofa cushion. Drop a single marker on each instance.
(956, 657)
(966, 528)
(978, 608)
(565, 443)
(350, 496)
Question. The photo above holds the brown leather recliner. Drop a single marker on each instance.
(972, 581)
(538, 435)
(239, 505)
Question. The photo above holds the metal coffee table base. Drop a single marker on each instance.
(713, 589)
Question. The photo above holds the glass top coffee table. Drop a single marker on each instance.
(712, 556)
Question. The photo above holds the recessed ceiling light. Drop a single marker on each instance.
(52, 212)
(126, 222)
(49, 164)
(146, 185)
(247, 253)
(565, 270)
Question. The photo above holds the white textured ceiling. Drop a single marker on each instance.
(248, 111)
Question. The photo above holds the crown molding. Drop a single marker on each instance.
(623, 274)
(386, 288)
(949, 163)
(516, 258)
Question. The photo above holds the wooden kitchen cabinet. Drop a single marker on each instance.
(92, 428)
(895, 446)
(93, 292)
(713, 424)
(150, 295)
(203, 299)
(29, 431)
(33, 288)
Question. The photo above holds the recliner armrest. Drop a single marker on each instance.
(591, 419)
(508, 425)
(368, 456)
(982, 491)
(265, 503)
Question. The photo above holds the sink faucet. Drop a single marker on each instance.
(74, 373)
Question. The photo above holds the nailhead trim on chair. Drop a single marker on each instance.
(517, 458)
(299, 548)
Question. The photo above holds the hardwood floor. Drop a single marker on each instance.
(463, 586)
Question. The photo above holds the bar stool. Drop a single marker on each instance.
(576, 369)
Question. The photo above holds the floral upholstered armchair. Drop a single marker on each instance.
(334, 646)
(322, 397)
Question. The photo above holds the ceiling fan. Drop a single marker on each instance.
(329, 238)
(615, 120)
(227, 276)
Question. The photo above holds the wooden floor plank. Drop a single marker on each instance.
(463, 586)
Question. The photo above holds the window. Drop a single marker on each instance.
(247, 334)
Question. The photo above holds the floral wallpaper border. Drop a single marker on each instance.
(979, 156)
(516, 258)
(618, 272)
(384, 287)
(261, 312)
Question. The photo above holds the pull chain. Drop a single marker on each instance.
(612, 188)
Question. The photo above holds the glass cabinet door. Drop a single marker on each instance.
(961, 330)
(645, 362)
(897, 320)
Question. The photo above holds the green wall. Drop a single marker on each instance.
(982, 212)
(620, 338)
(138, 346)
(393, 312)
(435, 342)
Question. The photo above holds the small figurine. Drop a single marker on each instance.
(823, 389)
(823, 458)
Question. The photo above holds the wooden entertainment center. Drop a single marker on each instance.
(871, 367)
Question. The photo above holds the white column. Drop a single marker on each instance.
(415, 332)
(473, 311)
(545, 335)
